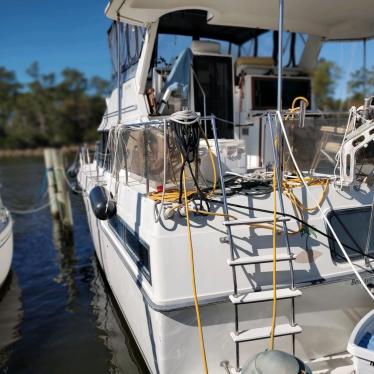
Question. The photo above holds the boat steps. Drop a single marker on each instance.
(260, 296)
(264, 333)
(254, 221)
(260, 259)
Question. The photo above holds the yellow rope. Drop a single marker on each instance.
(196, 302)
(170, 196)
(288, 187)
(274, 311)
(294, 109)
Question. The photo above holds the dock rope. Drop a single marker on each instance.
(29, 211)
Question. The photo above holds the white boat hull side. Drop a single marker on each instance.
(6, 251)
(169, 341)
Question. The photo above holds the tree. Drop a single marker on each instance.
(50, 112)
(99, 86)
(361, 84)
(73, 82)
(9, 89)
(325, 77)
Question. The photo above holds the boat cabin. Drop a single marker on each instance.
(183, 61)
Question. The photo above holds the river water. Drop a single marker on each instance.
(56, 311)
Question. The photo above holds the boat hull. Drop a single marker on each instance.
(169, 342)
(6, 250)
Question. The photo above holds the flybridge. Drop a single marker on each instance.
(333, 19)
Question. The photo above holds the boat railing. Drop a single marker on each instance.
(140, 152)
(147, 152)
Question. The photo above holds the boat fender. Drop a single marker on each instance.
(101, 203)
(270, 362)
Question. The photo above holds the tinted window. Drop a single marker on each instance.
(351, 226)
(131, 39)
(102, 152)
(137, 248)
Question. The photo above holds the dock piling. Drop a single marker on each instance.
(59, 197)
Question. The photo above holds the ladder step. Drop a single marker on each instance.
(253, 221)
(260, 259)
(264, 333)
(254, 297)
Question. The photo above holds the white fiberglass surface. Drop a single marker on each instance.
(367, 341)
(365, 334)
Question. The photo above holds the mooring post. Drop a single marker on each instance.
(51, 182)
(63, 197)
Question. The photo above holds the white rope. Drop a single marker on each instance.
(159, 211)
(185, 117)
(320, 209)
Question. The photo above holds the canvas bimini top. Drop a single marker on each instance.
(332, 19)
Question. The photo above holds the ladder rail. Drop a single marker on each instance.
(229, 234)
(294, 328)
(279, 175)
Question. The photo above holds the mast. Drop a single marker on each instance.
(280, 55)
(280, 83)
(364, 67)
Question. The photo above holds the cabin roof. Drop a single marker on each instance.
(331, 19)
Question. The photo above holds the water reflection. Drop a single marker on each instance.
(56, 315)
(64, 245)
(10, 316)
(116, 335)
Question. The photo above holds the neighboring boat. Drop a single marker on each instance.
(204, 300)
(6, 242)
(361, 345)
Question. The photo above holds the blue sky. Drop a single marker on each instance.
(56, 34)
(70, 33)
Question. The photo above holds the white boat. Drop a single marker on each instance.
(134, 190)
(6, 243)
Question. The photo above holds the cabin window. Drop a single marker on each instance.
(169, 47)
(136, 247)
(351, 226)
(131, 40)
(102, 152)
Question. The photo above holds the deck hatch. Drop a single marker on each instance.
(351, 225)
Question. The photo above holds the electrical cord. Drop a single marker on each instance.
(193, 278)
(186, 127)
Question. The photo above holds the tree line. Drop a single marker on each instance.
(50, 111)
(325, 79)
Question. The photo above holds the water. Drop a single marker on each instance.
(56, 311)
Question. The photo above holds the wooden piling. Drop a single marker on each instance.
(59, 197)
(63, 197)
(51, 182)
